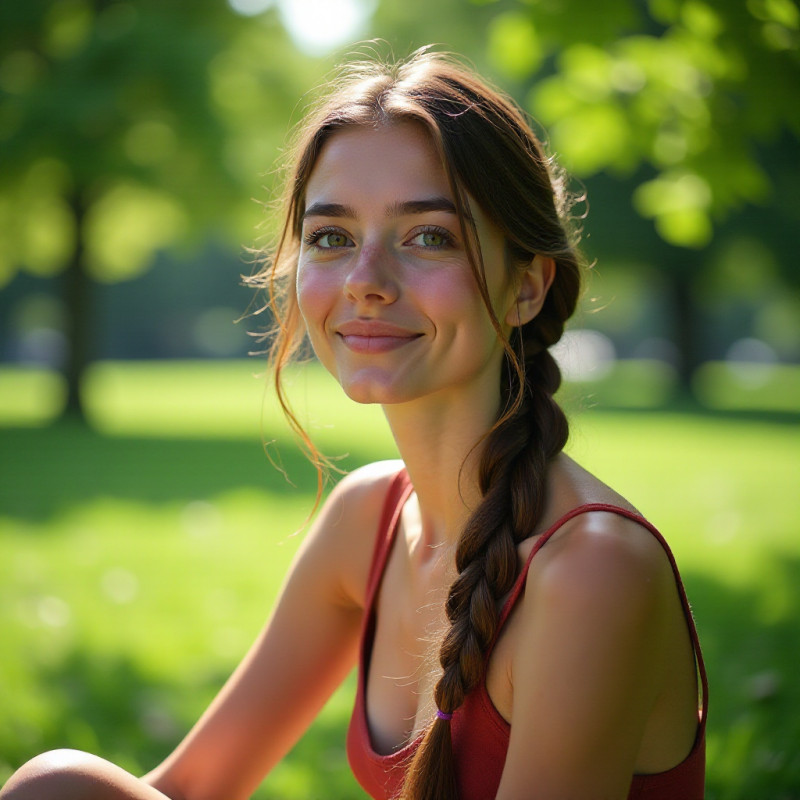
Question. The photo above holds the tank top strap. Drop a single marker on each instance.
(586, 508)
(519, 584)
(399, 490)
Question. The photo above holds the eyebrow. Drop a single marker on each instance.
(398, 209)
(329, 210)
(406, 207)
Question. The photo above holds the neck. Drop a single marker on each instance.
(437, 442)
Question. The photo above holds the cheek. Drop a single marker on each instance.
(449, 288)
(316, 291)
(456, 297)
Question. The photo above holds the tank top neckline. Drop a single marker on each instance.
(398, 494)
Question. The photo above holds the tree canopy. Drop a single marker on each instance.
(157, 120)
(129, 128)
(688, 88)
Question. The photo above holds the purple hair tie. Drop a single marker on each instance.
(443, 715)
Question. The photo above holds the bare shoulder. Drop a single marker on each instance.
(353, 508)
(343, 535)
(601, 561)
(590, 659)
(360, 491)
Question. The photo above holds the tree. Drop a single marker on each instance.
(126, 128)
(686, 86)
(677, 99)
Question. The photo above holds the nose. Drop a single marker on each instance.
(372, 277)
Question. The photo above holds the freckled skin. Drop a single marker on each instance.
(387, 274)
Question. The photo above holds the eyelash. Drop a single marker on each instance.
(449, 239)
(313, 237)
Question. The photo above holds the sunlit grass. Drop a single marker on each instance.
(121, 618)
(29, 395)
(138, 561)
(178, 398)
(771, 387)
(725, 495)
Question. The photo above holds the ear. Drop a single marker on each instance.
(532, 291)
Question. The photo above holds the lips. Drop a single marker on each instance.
(374, 336)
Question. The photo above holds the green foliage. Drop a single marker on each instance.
(456, 26)
(514, 46)
(158, 119)
(689, 88)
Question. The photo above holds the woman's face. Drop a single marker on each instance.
(384, 285)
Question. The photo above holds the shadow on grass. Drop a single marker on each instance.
(44, 471)
(585, 400)
(751, 645)
(103, 704)
(110, 706)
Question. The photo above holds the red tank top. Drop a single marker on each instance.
(479, 734)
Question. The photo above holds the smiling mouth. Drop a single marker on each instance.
(373, 336)
(360, 343)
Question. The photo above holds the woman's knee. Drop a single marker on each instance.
(60, 775)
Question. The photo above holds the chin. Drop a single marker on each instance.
(372, 393)
(367, 395)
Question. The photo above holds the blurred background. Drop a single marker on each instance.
(144, 531)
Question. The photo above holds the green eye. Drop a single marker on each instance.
(333, 240)
(432, 239)
(327, 239)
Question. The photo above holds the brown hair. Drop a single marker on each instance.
(491, 155)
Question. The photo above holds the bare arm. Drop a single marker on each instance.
(591, 666)
(305, 650)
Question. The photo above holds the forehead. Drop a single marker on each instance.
(371, 165)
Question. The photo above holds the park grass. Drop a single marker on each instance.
(140, 556)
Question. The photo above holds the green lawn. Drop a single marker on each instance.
(139, 559)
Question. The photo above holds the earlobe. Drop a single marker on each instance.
(533, 288)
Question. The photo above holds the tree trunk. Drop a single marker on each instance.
(78, 301)
(685, 325)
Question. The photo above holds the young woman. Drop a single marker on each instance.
(520, 631)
